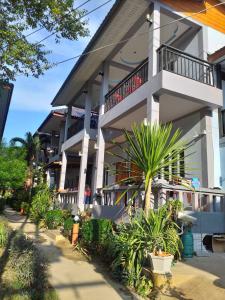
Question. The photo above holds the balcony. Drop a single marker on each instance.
(79, 125)
(186, 65)
(127, 86)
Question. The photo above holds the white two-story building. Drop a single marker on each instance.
(147, 61)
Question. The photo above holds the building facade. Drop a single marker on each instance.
(151, 66)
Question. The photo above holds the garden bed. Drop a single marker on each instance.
(23, 268)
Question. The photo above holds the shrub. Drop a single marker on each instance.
(68, 224)
(28, 264)
(17, 198)
(96, 233)
(53, 219)
(26, 207)
(2, 205)
(41, 202)
(4, 234)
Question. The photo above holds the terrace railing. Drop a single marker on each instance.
(79, 125)
(127, 86)
(184, 64)
(67, 199)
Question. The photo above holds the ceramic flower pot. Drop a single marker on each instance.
(161, 264)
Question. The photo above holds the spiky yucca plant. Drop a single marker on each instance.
(154, 149)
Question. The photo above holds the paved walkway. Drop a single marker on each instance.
(72, 278)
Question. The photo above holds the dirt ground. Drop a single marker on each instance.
(199, 278)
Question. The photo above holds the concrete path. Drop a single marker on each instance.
(72, 278)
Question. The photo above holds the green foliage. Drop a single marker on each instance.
(53, 219)
(128, 248)
(41, 202)
(154, 149)
(96, 232)
(31, 145)
(28, 264)
(2, 204)
(21, 56)
(4, 234)
(68, 224)
(26, 207)
(13, 169)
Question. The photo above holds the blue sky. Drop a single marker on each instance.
(32, 97)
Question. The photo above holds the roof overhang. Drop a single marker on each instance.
(52, 122)
(114, 28)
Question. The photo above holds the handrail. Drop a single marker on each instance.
(184, 53)
(126, 78)
(127, 85)
(186, 65)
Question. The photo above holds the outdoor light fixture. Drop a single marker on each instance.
(101, 73)
(148, 19)
(80, 153)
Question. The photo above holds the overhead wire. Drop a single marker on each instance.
(88, 13)
(137, 35)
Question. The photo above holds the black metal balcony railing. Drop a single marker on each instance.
(127, 86)
(187, 65)
(79, 125)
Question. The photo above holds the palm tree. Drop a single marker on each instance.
(31, 144)
(153, 149)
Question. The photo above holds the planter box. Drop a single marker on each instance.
(161, 264)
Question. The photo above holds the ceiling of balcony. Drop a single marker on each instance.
(180, 108)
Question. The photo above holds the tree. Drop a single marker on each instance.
(154, 150)
(18, 55)
(31, 145)
(13, 167)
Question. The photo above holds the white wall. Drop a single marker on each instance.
(216, 40)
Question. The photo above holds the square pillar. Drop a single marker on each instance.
(84, 150)
(154, 44)
(61, 136)
(207, 151)
(68, 121)
(63, 171)
(100, 154)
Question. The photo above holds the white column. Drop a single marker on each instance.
(61, 135)
(63, 171)
(84, 150)
(48, 178)
(216, 147)
(208, 156)
(68, 122)
(154, 44)
(100, 154)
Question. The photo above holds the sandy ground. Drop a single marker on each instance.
(200, 278)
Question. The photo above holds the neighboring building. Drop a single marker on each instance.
(160, 73)
(218, 58)
(6, 90)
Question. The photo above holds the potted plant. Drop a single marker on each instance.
(165, 241)
(161, 262)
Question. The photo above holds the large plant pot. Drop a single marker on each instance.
(161, 264)
(75, 233)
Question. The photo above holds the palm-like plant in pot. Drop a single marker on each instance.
(153, 149)
(164, 240)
